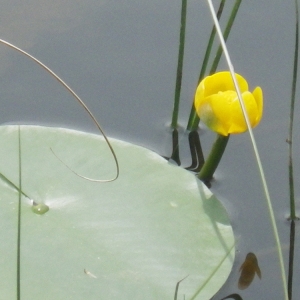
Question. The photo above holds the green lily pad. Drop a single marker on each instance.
(133, 238)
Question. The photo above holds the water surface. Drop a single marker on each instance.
(120, 57)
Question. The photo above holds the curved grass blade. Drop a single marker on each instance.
(81, 103)
(261, 171)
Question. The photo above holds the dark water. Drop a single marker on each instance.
(120, 57)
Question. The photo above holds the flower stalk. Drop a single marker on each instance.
(217, 105)
(212, 162)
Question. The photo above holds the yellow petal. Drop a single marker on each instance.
(221, 82)
(238, 123)
(217, 104)
(218, 82)
(216, 111)
(199, 96)
(258, 96)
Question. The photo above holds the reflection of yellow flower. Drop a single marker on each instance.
(217, 103)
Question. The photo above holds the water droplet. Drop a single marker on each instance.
(40, 208)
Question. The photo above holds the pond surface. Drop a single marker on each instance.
(121, 56)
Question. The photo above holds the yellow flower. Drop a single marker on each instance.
(217, 103)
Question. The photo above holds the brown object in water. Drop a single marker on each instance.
(248, 270)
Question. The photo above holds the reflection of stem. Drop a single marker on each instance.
(291, 259)
(175, 148)
(214, 158)
(179, 65)
(194, 119)
(196, 152)
(175, 151)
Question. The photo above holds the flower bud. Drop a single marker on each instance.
(218, 107)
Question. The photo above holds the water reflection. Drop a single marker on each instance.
(233, 296)
(195, 150)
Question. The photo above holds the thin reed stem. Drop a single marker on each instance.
(19, 220)
(193, 121)
(293, 216)
(225, 34)
(81, 103)
(174, 122)
(291, 123)
(258, 160)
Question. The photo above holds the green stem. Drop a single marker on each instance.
(226, 35)
(193, 118)
(213, 159)
(261, 171)
(293, 216)
(210, 43)
(179, 65)
(290, 138)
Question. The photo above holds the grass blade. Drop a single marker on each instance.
(263, 179)
(291, 123)
(19, 220)
(174, 122)
(193, 121)
(293, 216)
(81, 103)
(212, 274)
